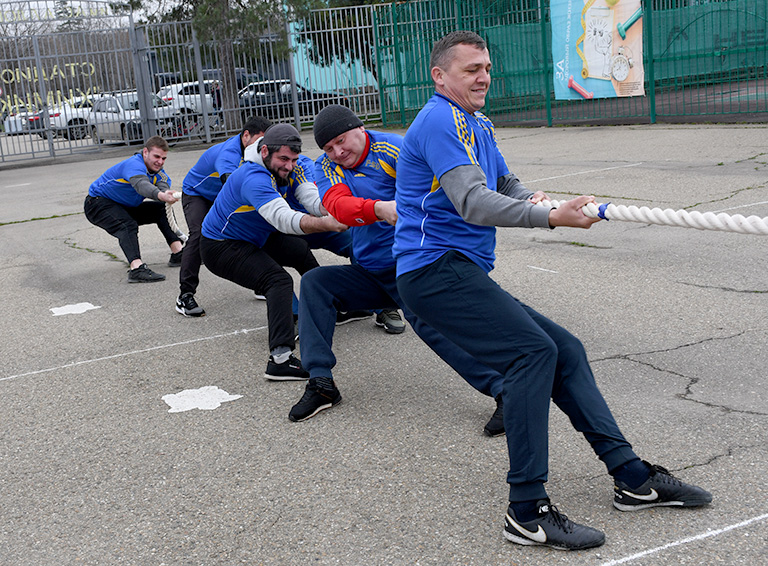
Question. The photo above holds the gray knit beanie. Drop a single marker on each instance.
(281, 134)
(332, 121)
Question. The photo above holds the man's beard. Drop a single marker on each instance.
(274, 172)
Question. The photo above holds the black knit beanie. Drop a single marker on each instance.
(281, 134)
(332, 121)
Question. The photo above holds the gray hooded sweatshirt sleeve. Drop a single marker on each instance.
(277, 212)
(467, 189)
(145, 188)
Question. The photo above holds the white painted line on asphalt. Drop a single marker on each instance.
(19, 185)
(685, 541)
(541, 269)
(583, 173)
(740, 206)
(125, 354)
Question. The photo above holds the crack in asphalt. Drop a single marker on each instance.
(719, 288)
(10, 223)
(72, 244)
(687, 394)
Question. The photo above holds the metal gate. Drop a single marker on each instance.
(75, 76)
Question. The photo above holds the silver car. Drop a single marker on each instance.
(116, 116)
(71, 119)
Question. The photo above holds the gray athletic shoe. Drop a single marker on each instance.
(391, 321)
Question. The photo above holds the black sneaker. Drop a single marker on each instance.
(495, 426)
(391, 321)
(662, 489)
(143, 274)
(289, 370)
(552, 529)
(175, 259)
(343, 317)
(187, 305)
(320, 394)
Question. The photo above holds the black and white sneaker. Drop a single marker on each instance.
(144, 274)
(290, 370)
(321, 393)
(343, 317)
(552, 529)
(187, 305)
(662, 489)
(495, 426)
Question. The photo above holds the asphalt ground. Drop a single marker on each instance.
(94, 469)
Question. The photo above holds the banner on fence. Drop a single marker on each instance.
(597, 48)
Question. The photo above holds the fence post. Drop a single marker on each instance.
(201, 86)
(398, 66)
(547, 58)
(648, 29)
(292, 76)
(382, 94)
(140, 50)
(44, 96)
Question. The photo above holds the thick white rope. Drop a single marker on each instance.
(169, 212)
(669, 217)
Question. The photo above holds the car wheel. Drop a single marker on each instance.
(76, 131)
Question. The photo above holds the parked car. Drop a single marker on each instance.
(273, 100)
(16, 119)
(71, 119)
(185, 97)
(242, 77)
(116, 116)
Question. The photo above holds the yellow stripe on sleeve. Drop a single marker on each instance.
(465, 137)
(388, 169)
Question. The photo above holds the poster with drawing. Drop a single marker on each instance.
(597, 48)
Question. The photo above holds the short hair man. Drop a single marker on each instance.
(116, 202)
(200, 187)
(356, 178)
(453, 188)
(250, 233)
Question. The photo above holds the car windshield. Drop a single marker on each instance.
(84, 103)
(131, 101)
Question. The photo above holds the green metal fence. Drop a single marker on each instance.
(703, 59)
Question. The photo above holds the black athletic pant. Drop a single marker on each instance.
(195, 209)
(260, 269)
(123, 222)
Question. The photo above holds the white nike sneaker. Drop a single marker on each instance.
(552, 529)
(662, 489)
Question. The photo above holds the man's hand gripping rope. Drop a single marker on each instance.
(667, 217)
